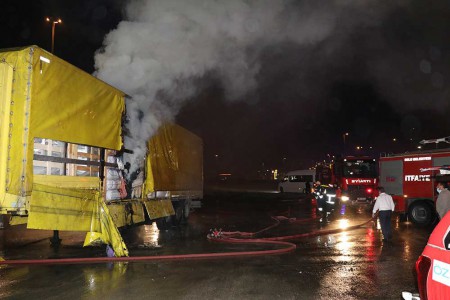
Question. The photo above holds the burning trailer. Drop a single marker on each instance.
(61, 144)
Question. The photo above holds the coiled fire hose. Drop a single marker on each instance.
(217, 236)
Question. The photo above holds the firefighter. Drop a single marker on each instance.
(320, 195)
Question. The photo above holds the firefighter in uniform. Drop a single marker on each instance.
(320, 192)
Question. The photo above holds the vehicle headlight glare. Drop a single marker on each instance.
(345, 198)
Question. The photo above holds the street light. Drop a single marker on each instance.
(54, 22)
(55, 240)
(343, 137)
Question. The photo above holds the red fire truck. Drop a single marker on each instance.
(411, 180)
(355, 175)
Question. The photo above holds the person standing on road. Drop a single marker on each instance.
(307, 187)
(385, 205)
(320, 194)
(443, 200)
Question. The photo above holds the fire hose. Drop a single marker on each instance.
(216, 236)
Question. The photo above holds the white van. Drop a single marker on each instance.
(295, 181)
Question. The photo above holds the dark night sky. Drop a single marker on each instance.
(379, 80)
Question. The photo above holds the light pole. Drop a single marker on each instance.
(54, 22)
(343, 136)
(55, 240)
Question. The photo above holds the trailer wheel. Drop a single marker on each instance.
(420, 213)
(164, 223)
(178, 217)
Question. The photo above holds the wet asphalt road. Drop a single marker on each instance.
(348, 265)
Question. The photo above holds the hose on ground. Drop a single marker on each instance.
(226, 237)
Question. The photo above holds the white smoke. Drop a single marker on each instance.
(163, 45)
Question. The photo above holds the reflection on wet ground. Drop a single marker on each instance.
(353, 264)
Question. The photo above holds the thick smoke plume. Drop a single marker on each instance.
(163, 47)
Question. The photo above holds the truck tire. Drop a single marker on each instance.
(420, 213)
(175, 220)
(164, 223)
(178, 216)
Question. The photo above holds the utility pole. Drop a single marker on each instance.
(54, 23)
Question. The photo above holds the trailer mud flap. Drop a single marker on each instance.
(159, 208)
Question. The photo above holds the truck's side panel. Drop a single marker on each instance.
(6, 75)
(70, 105)
(81, 109)
(441, 161)
(417, 182)
(127, 213)
(17, 176)
(174, 162)
(56, 208)
(391, 176)
(46, 97)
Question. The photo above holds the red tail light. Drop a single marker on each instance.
(369, 191)
(423, 265)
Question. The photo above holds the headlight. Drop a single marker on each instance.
(345, 198)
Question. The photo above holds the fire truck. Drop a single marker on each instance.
(411, 179)
(356, 176)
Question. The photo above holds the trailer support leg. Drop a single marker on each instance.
(55, 240)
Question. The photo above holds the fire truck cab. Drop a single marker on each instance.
(356, 176)
(411, 179)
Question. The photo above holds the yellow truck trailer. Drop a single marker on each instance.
(60, 148)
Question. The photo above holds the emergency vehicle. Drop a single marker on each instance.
(356, 176)
(296, 181)
(433, 266)
(411, 179)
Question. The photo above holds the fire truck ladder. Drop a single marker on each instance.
(436, 141)
(445, 169)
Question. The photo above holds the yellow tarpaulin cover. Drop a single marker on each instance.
(16, 220)
(174, 160)
(127, 213)
(159, 208)
(46, 97)
(73, 182)
(68, 104)
(55, 208)
(108, 234)
(6, 73)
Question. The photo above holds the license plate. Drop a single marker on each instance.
(360, 198)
